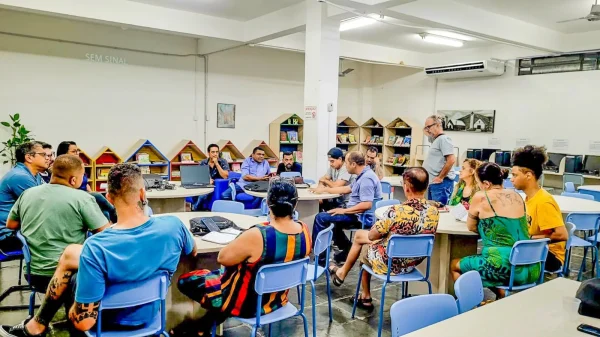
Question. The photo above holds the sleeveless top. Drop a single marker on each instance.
(458, 198)
(237, 283)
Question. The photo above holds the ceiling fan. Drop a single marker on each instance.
(593, 16)
(343, 73)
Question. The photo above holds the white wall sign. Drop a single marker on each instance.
(523, 141)
(594, 146)
(560, 144)
(310, 112)
(105, 58)
(494, 141)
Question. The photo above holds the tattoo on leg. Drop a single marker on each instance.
(84, 311)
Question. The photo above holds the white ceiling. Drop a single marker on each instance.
(387, 35)
(241, 10)
(543, 13)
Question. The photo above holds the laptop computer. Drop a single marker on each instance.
(195, 176)
(152, 181)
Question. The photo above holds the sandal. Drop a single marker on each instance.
(334, 278)
(364, 303)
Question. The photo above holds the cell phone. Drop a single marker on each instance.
(590, 330)
(211, 225)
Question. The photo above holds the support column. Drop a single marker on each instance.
(320, 87)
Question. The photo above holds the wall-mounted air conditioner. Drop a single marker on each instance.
(467, 69)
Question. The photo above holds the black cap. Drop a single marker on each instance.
(335, 153)
(589, 294)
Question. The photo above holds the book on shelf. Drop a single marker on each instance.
(374, 140)
(399, 140)
(351, 138)
(175, 174)
(145, 169)
(368, 139)
(227, 156)
(236, 167)
(293, 136)
(103, 173)
(380, 140)
(298, 156)
(142, 158)
(186, 157)
(344, 138)
(338, 137)
(283, 137)
(407, 141)
(391, 140)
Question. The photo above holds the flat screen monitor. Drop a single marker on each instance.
(573, 163)
(470, 153)
(499, 158)
(554, 159)
(477, 154)
(591, 163)
(486, 153)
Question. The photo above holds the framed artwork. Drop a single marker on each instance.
(226, 115)
(186, 157)
(468, 120)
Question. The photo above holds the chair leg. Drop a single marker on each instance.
(213, 331)
(270, 328)
(402, 284)
(20, 271)
(254, 331)
(314, 308)
(298, 292)
(31, 303)
(305, 321)
(329, 296)
(380, 326)
(429, 286)
(357, 290)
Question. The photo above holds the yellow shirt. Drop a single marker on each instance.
(543, 214)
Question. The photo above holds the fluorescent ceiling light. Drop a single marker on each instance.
(441, 40)
(452, 35)
(357, 22)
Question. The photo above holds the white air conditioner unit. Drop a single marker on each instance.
(468, 69)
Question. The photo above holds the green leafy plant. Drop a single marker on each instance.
(19, 135)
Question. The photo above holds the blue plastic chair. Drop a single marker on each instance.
(388, 202)
(227, 206)
(577, 195)
(264, 211)
(131, 294)
(289, 174)
(367, 218)
(565, 268)
(13, 256)
(586, 222)
(418, 312)
(400, 246)
(570, 187)
(469, 291)
(523, 253)
(27, 258)
(273, 278)
(386, 188)
(508, 184)
(322, 246)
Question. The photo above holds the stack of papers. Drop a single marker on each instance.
(459, 212)
(223, 237)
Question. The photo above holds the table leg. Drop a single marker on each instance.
(173, 205)
(307, 210)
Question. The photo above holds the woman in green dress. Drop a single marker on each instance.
(498, 215)
(467, 186)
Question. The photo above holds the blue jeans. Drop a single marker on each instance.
(227, 194)
(341, 222)
(441, 192)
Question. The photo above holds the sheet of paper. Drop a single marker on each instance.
(220, 238)
(231, 231)
(459, 212)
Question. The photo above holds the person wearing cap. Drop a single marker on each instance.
(362, 193)
(336, 176)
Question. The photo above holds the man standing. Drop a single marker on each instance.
(219, 169)
(336, 176)
(255, 168)
(362, 192)
(373, 161)
(288, 164)
(31, 161)
(439, 161)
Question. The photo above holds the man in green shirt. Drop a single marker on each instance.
(52, 217)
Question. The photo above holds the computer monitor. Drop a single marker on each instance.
(573, 163)
(506, 161)
(486, 153)
(194, 174)
(554, 160)
(499, 158)
(591, 163)
(470, 154)
(477, 154)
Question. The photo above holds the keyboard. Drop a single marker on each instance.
(197, 186)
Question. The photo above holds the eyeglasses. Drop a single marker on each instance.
(41, 154)
(426, 128)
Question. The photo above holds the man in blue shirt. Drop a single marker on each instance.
(218, 168)
(255, 168)
(363, 191)
(288, 164)
(31, 161)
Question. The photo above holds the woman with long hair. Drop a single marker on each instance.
(467, 185)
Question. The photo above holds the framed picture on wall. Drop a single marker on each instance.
(226, 115)
(468, 120)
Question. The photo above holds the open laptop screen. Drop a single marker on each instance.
(194, 174)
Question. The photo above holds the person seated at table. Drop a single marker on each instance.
(54, 219)
(254, 168)
(50, 155)
(373, 161)
(31, 161)
(544, 215)
(218, 168)
(362, 192)
(231, 293)
(70, 147)
(336, 176)
(467, 186)
(108, 257)
(415, 216)
(288, 164)
(498, 215)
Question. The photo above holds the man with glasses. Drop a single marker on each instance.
(439, 161)
(50, 155)
(31, 161)
(373, 161)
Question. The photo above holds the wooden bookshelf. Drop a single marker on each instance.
(103, 161)
(346, 127)
(88, 164)
(286, 123)
(185, 146)
(159, 163)
(368, 130)
(236, 155)
(270, 155)
(397, 145)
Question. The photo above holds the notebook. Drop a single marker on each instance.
(223, 237)
(459, 212)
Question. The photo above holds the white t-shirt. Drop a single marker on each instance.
(436, 158)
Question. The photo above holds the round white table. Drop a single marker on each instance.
(397, 183)
(170, 201)
(570, 204)
(593, 190)
(308, 203)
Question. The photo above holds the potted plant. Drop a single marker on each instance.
(19, 135)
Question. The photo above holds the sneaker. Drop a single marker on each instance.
(18, 330)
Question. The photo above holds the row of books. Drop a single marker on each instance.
(297, 156)
(289, 136)
(345, 138)
(373, 140)
(399, 141)
(398, 160)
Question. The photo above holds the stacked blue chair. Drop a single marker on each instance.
(565, 268)
(418, 312)
(469, 291)
(577, 195)
(523, 253)
(13, 256)
(570, 187)
(585, 222)
(132, 294)
(322, 246)
(227, 206)
(401, 246)
(386, 188)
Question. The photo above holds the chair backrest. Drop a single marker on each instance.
(322, 245)
(469, 291)
(227, 206)
(415, 313)
(309, 181)
(528, 252)
(577, 195)
(569, 187)
(371, 213)
(264, 208)
(234, 176)
(272, 278)
(508, 184)
(386, 188)
(25, 248)
(571, 228)
(584, 221)
(576, 179)
(420, 245)
(289, 174)
(388, 202)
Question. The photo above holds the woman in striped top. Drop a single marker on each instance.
(231, 292)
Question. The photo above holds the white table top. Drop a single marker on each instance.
(538, 311)
(395, 181)
(593, 188)
(242, 221)
(447, 225)
(570, 204)
(178, 192)
(303, 194)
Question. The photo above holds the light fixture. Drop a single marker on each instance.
(452, 35)
(357, 22)
(441, 40)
